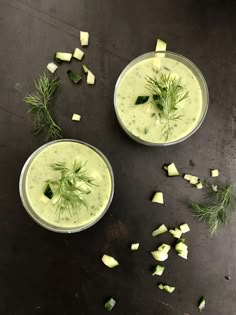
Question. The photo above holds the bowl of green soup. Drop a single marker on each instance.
(160, 98)
(66, 185)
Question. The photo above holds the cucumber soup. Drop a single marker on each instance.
(158, 100)
(94, 198)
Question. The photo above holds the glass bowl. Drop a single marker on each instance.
(198, 76)
(32, 212)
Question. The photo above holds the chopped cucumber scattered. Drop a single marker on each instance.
(135, 246)
(176, 233)
(202, 304)
(199, 185)
(164, 248)
(160, 45)
(90, 78)
(158, 271)
(78, 54)
(184, 228)
(172, 170)
(76, 117)
(52, 67)
(62, 56)
(159, 255)
(109, 261)
(180, 246)
(166, 288)
(183, 254)
(48, 192)
(161, 230)
(215, 173)
(84, 38)
(141, 100)
(110, 304)
(158, 198)
(75, 77)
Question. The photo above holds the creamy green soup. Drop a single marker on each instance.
(40, 171)
(145, 121)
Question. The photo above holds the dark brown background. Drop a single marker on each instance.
(46, 273)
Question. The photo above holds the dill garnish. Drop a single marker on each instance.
(72, 187)
(215, 212)
(167, 91)
(39, 106)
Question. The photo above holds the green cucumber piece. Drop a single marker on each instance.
(172, 170)
(183, 254)
(109, 305)
(62, 56)
(158, 197)
(166, 288)
(187, 177)
(180, 247)
(48, 192)
(76, 117)
(184, 228)
(176, 233)
(78, 54)
(194, 180)
(75, 77)
(201, 304)
(135, 246)
(161, 45)
(90, 78)
(161, 230)
(85, 68)
(109, 261)
(199, 185)
(159, 255)
(84, 38)
(164, 248)
(141, 100)
(52, 67)
(158, 271)
(215, 173)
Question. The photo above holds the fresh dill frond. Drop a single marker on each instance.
(72, 187)
(167, 92)
(216, 212)
(39, 103)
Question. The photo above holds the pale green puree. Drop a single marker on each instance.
(40, 171)
(143, 121)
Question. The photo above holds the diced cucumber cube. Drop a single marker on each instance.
(84, 38)
(109, 261)
(158, 198)
(76, 117)
(160, 45)
(199, 185)
(78, 54)
(135, 246)
(187, 177)
(172, 170)
(110, 304)
(90, 78)
(176, 233)
(168, 288)
(158, 271)
(214, 173)
(164, 248)
(180, 247)
(184, 228)
(161, 230)
(183, 254)
(159, 255)
(52, 67)
(193, 180)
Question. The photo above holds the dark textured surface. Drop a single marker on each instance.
(46, 273)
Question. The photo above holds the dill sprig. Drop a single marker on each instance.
(39, 106)
(216, 212)
(167, 92)
(70, 189)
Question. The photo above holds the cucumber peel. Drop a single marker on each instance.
(75, 77)
(109, 261)
(161, 230)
